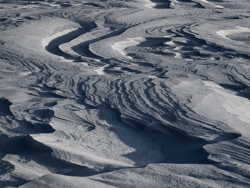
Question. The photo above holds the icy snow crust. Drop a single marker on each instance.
(144, 93)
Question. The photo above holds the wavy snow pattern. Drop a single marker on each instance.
(124, 93)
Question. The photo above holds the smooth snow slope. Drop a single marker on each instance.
(144, 93)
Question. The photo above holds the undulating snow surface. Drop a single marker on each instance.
(124, 93)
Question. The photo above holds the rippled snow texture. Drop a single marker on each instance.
(135, 93)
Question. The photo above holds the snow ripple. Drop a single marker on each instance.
(124, 93)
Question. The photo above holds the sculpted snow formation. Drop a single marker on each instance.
(135, 93)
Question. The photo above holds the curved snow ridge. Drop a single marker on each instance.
(159, 4)
(232, 103)
(60, 43)
(58, 39)
(215, 103)
(47, 40)
(212, 4)
(236, 39)
(121, 46)
(37, 145)
(62, 180)
(72, 151)
(100, 70)
(231, 151)
(226, 33)
(171, 175)
(150, 4)
(145, 96)
(180, 42)
(145, 102)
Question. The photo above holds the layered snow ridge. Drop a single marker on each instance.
(142, 93)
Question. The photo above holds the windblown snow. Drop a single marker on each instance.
(125, 93)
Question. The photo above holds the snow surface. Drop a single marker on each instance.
(121, 46)
(238, 30)
(143, 93)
